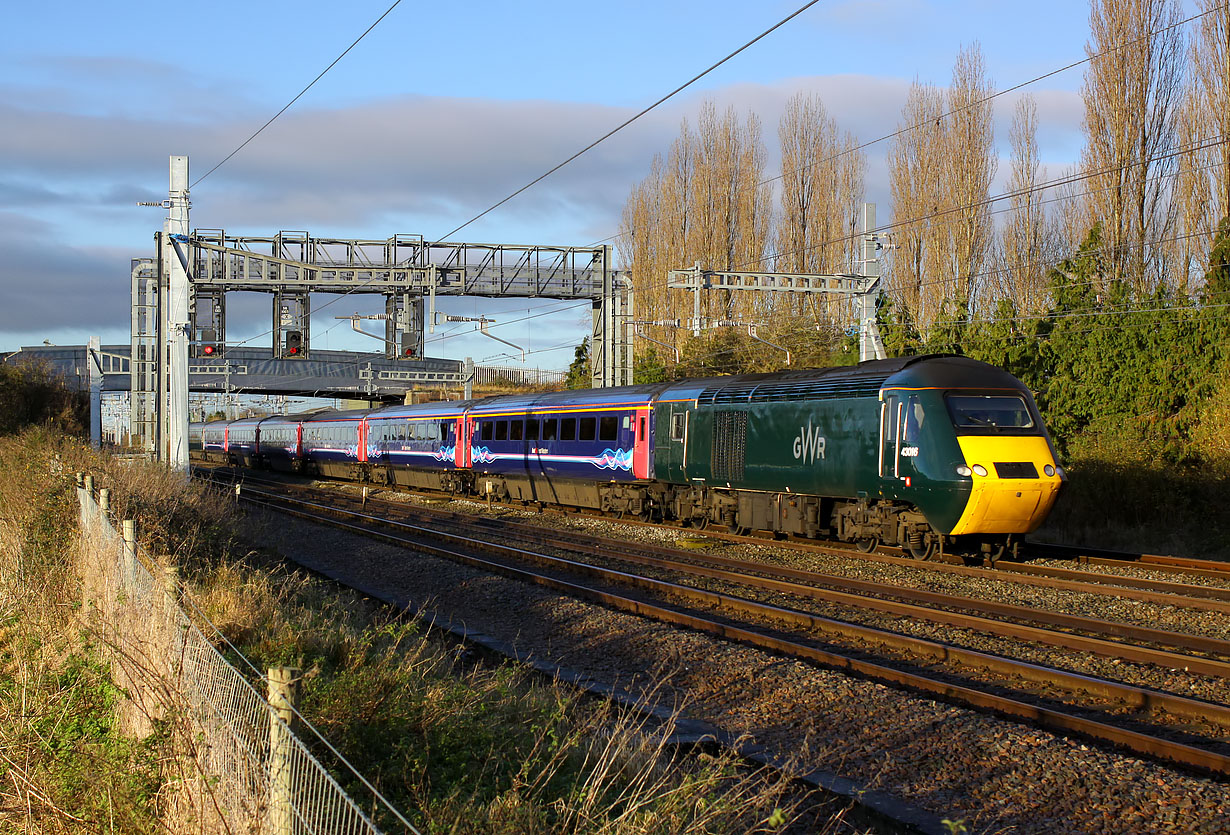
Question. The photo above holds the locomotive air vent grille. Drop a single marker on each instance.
(757, 392)
(1016, 469)
(729, 448)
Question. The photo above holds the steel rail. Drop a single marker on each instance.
(1055, 719)
(1218, 569)
(1162, 592)
(666, 558)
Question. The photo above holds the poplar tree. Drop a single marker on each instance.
(822, 189)
(1131, 93)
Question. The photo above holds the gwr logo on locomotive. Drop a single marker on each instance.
(809, 445)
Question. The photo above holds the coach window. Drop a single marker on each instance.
(550, 429)
(444, 425)
(516, 430)
(488, 430)
(501, 430)
(588, 425)
(608, 429)
(568, 429)
(531, 429)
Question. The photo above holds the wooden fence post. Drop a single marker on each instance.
(283, 689)
(130, 552)
(104, 500)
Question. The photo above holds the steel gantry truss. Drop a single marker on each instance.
(178, 298)
(863, 288)
(411, 273)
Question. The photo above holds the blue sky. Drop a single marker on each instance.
(441, 111)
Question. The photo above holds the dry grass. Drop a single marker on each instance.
(461, 747)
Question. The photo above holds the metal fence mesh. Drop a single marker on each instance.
(258, 774)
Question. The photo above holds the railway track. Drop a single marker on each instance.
(718, 595)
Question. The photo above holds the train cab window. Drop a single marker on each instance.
(501, 430)
(589, 427)
(568, 429)
(488, 430)
(531, 429)
(678, 422)
(912, 430)
(516, 429)
(550, 429)
(608, 428)
(992, 413)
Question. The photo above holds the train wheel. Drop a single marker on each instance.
(923, 550)
(867, 545)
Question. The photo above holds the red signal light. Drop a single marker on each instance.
(409, 352)
(208, 350)
(292, 351)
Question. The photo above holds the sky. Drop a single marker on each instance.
(437, 114)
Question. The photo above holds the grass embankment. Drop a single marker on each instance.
(459, 746)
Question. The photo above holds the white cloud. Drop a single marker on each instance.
(418, 164)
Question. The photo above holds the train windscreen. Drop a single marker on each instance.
(990, 412)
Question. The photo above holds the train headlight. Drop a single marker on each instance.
(963, 470)
(979, 469)
(1049, 470)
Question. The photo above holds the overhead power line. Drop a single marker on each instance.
(243, 144)
(997, 94)
(623, 125)
(539, 179)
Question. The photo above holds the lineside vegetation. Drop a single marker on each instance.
(458, 745)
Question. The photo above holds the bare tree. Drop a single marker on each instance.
(1026, 241)
(1211, 59)
(1131, 91)
(822, 187)
(1196, 214)
(968, 165)
(702, 205)
(914, 169)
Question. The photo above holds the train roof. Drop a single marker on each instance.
(617, 396)
(949, 371)
(274, 420)
(348, 414)
(436, 408)
(865, 379)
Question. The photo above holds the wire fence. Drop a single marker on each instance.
(250, 770)
(491, 375)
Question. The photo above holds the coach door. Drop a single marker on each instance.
(461, 452)
(640, 443)
(891, 415)
(901, 420)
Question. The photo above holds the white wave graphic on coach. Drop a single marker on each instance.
(482, 455)
(613, 459)
(446, 453)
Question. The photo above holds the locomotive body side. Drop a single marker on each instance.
(868, 453)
